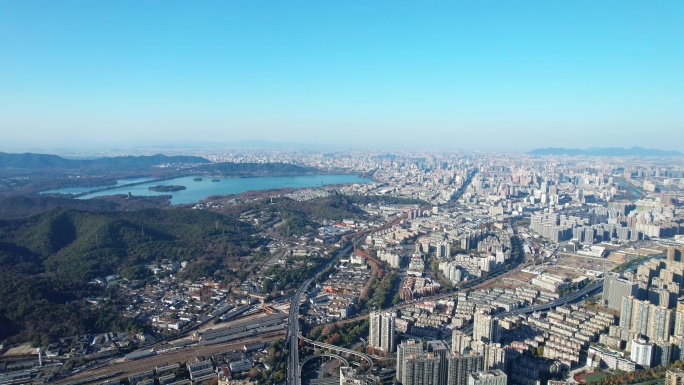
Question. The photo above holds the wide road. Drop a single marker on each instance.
(293, 320)
(560, 301)
(598, 285)
(461, 190)
(293, 333)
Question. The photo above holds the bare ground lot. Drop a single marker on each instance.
(523, 276)
(21, 350)
(576, 265)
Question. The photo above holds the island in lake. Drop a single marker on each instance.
(197, 179)
(216, 180)
(161, 188)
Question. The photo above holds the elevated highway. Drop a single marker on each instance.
(310, 358)
(322, 345)
(570, 298)
(291, 337)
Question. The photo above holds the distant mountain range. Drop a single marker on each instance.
(604, 151)
(40, 161)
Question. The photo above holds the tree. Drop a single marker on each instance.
(278, 376)
(254, 373)
(266, 286)
(334, 339)
(328, 329)
(396, 299)
(315, 332)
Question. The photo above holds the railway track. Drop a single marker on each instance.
(186, 354)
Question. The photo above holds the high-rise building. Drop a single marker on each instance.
(641, 352)
(679, 323)
(677, 351)
(374, 325)
(640, 316)
(420, 369)
(460, 367)
(441, 350)
(615, 289)
(490, 377)
(648, 271)
(388, 332)
(674, 253)
(406, 349)
(485, 328)
(443, 249)
(626, 312)
(494, 355)
(668, 276)
(659, 323)
(662, 353)
(382, 331)
(674, 377)
(653, 321)
(460, 341)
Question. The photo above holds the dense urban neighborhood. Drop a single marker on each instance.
(437, 268)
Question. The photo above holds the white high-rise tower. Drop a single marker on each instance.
(382, 331)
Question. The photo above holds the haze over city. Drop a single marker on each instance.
(341, 192)
(488, 75)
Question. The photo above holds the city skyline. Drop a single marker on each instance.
(79, 149)
(495, 76)
(480, 268)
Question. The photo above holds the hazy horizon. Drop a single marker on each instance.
(493, 76)
(90, 151)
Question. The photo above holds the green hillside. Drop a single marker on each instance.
(48, 259)
(35, 161)
(332, 207)
(20, 206)
(253, 169)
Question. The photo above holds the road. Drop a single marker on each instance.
(560, 301)
(483, 281)
(293, 333)
(464, 186)
(555, 303)
(293, 321)
(293, 317)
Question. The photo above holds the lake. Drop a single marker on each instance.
(81, 190)
(198, 190)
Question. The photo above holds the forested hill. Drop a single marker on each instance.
(48, 258)
(79, 245)
(41, 161)
(254, 169)
(332, 207)
(19, 206)
(48, 161)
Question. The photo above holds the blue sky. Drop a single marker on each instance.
(501, 75)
